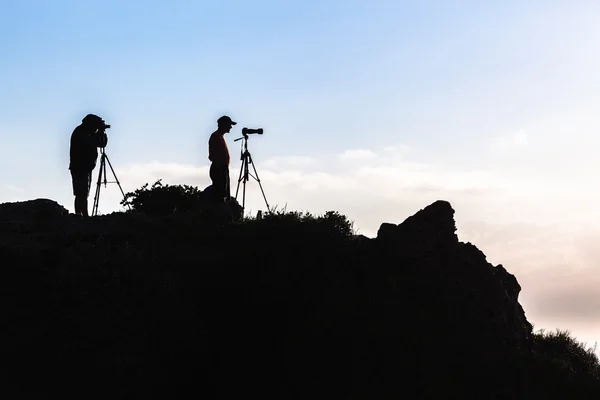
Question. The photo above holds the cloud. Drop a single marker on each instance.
(401, 148)
(300, 162)
(357, 154)
(169, 172)
(555, 263)
(368, 191)
(13, 188)
(518, 139)
(10, 193)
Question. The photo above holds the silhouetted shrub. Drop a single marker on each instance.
(160, 200)
(339, 222)
(561, 349)
(332, 223)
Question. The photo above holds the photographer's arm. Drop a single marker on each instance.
(75, 151)
(83, 152)
(91, 152)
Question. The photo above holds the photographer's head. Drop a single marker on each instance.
(94, 122)
(225, 123)
(96, 127)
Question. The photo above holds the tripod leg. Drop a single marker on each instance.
(104, 168)
(116, 179)
(259, 184)
(245, 180)
(98, 185)
(244, 190)
(240, 178)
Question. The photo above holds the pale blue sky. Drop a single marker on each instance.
(373, 108)
(314, 74)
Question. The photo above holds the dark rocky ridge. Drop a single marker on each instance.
(130, 305)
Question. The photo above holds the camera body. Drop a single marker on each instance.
(248, 131)
(100, 136)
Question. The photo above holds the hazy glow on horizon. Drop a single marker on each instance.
(374, 109)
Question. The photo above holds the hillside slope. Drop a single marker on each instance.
(285, 307)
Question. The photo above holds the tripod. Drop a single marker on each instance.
(245, 173)
(102, 173)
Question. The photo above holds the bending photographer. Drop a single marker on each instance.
(83, 156)
(218, 154)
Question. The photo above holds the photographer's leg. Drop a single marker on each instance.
(81, 189)
(75, 183)
(76, 205)
(80, 206)
(227, 184)
(84, 201)
(218, 182)
(84, 207)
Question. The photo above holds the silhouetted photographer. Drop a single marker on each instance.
(85, 140)
(218, 154)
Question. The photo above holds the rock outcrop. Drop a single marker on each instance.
(459, 272)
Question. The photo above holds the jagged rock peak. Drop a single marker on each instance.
(435, 222)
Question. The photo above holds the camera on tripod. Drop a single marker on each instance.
(245, 173)
(248, 131)
(101, 136)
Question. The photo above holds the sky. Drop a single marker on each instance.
(374, 108)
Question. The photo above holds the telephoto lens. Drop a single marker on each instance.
(248, 131)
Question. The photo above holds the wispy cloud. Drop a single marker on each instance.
(172, 172)
(289, 162)
(364, 188)
(357, 154)
(555, 263)
(13, 188)
(401, 148)
(9, 192)
(518, 139)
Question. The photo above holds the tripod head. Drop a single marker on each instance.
(244, 149)
(245, 133)
(245, 173)
(248, 131)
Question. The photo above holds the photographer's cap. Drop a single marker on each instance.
(225, 120)
(92, 119)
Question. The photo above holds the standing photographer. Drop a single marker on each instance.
(218, 154)
(83, 156)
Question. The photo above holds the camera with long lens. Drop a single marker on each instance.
(248, 131)
(101, 136)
